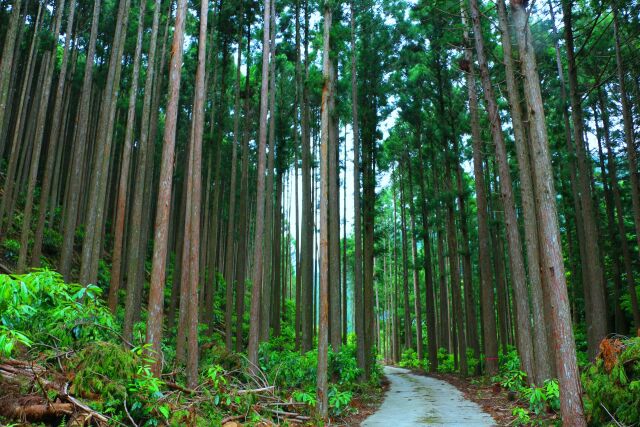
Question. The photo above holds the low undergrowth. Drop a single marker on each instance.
(60, 346)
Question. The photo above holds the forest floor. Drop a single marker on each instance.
(414, 400)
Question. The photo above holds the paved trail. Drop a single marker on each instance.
(414, 400)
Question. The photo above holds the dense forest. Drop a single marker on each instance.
(239, 211)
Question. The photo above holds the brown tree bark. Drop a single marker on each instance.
(254, 328)
(417, 306)
(6, 64)
(596, 310)
(551, 260)
(80, 147)
(357, 218)
(325, 231)
(48, 62)
(624, 244)
(518, 275)
(54, 134)
(136, 247)
(539, 338)
(156, 290)
(229, 273)
(123, 185)
(405, 267)
(629, 139)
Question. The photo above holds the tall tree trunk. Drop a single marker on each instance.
(80, 149)
(243, 226)
(616, 242)
(417, 306)
(104, 138)
(631, 147)
(405, 268)
(306, 250)
(325, 195)
(6, 64)
(596, 311)
(267, 274)
(357, 232)
(518, 276)
(228, 264)
(136, 247)
(454, 267)
(254, 327)
(54, 133)
(123, 186)
(432, 342)
(539, 337)
(158, 270)
(624, 244)
(551, 260)
(48, 63)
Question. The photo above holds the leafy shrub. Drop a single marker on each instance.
(613, 382)
(11, 249)
(446, 362)
(41, 306)
(409, 359)
(51, 240)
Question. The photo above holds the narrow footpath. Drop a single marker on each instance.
(414, 400)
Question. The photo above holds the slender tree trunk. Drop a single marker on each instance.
(54, 134)
(80, 146)
(243, 226)
(267, 277)
(596, 311)
(616, 242)
(104, 138)
(551, 261)
(357, 232)
(325, 231)
(121, 207)
(432, 345)
(306, 250)
(518, 275)
(417, 306)
(624, 245)
(228, 265)
(6, 64)
(254, 327)
(136, 247)
(539, 337)
(629, 138)
(405, 268)
(49, 62)
(156, 290)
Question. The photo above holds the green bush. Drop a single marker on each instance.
(42, 307)
(11, 249)
(446, 363)
(409, 359)
(613, 382)
(52, 240)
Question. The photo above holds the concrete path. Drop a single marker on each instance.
(414, 400)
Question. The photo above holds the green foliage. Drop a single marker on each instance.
(523, 417)
(42, 307)
(617, 389)
(446, 362)
(409, 359)
(52, 240)
(11, 249)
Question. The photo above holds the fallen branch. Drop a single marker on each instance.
(256, 390)
(175, 386)
(37, 412)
